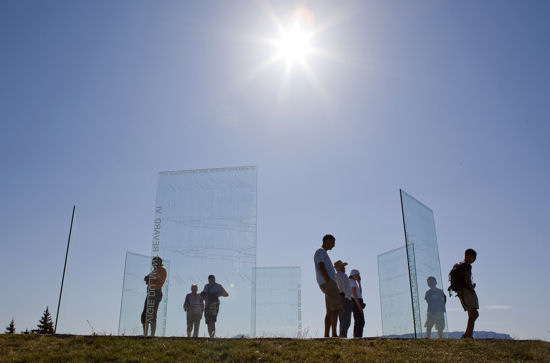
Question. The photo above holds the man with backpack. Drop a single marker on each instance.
(460, 278)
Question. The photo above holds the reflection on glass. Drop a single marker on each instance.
(395, 293)
(278, 302)
(134, 291)
(205, 223)
(436, 300)
(422, 254)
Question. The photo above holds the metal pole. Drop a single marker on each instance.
(64, 268)
(408, 261)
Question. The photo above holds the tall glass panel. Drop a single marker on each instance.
(395, 293)
(422, 257)
(278, 302)
(205, 223)
(134, 291)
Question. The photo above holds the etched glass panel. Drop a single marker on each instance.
(395, 293)
(278, 302)
(423, 258)
(205, 223)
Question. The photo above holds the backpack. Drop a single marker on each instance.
(457, 276)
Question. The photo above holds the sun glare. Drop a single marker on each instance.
(293, 45)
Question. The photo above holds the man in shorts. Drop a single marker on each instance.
(467, 295)
(436, 300)
(326, 278)
(211, 293)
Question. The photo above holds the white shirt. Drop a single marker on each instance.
(353, 284)
(322, 256)
(343, 284)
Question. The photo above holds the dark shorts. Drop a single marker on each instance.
(435, 318)
(153, 297)
(468, 299)
(211, 312)
(332, 295)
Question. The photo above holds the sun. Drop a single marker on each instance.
(294, 44)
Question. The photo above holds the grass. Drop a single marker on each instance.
(23, 348)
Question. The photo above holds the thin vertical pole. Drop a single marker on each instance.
(64, 268)
(408, 261)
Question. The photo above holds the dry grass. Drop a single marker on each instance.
(133, 349)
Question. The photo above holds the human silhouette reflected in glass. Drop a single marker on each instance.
(211, 293)
(155, 280)
(436, 300)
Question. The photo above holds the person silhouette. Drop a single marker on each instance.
(436, 300)
(211, 293)
(467, 295)
(154, 280)
(194, 306)
(326, 278)
(358, 306)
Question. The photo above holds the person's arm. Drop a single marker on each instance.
(186, 303)
(323, 270)
(224, 293)
(356, 299)
(146, 279)
(468, 278)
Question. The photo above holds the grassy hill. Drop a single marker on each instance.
(114, 348)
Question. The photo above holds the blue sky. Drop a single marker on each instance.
(446, 100)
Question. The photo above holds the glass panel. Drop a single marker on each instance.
(205, 223)
(134, 291)
(278, 302)
(423, 258)
(395, 293)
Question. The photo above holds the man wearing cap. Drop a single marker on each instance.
(194, 306)
(358, 306)
(211, 293)
(345, 297)
(326, 278)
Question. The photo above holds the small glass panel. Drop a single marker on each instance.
(278, 302)
(134, 291)
(395, 293)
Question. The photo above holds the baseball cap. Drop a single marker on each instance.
(340, 263)
(354, 272)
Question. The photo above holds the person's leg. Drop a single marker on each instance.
(334, 322)
(211, 329)
(473, 314)
(196, 324)
(189, 323)
(440, 333)
(341, 317)
(429, 328)
(345, 317)
(356, 319)
(327, 324)
(361, 324)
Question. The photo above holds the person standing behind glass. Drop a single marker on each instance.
(211, 293)
(358, 306)
(194, 306)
